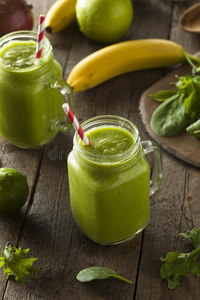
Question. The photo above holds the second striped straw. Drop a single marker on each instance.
(40, 36)
(75, 123)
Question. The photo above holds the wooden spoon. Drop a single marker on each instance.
(190, 19)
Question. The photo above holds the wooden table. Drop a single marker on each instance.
(45, 224)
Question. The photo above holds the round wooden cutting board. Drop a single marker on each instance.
(182, 145)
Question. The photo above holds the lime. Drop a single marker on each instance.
(104, 21)
(13, 191)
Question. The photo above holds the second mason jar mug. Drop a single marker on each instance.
(109, 180)
(31, 91)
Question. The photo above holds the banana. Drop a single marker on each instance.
(61, 14)
(125, 57)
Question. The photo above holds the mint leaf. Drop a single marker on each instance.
(14, 263)
(94, 273)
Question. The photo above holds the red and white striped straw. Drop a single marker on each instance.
(75, 123)
(40, 36)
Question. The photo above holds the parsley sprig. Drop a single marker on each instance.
(177, 264)
(14, 263)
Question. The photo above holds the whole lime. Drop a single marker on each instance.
(104, 21)
(13, 191)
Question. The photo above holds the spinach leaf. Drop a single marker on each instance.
(93, 273)
(178, 107)
(169, 117)
(192, 102)
(194, 129)
(163, 95)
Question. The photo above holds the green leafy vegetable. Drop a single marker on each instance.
(189, 86)
(163, 95)
(194, 129)
(178, 108)
(93, 273)
(169, 118)
(193, 235)
(178, 264)
(14, 263)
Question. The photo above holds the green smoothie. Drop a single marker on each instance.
(109, 185)
(108, 141)
(19, 55)
(29, 108)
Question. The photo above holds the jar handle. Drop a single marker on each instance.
(156, 164)
(68, 97)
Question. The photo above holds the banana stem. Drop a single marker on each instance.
(194, 61)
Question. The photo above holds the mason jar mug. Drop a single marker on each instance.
(31, 91)
(109, 180)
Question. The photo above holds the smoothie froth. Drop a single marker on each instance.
(19, 55)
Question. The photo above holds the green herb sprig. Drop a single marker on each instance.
(94, 273)
(14, 263)
(178, 264)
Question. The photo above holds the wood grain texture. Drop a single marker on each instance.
(46, 225)
(171, 209)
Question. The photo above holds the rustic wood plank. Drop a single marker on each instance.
(171, 209)
(171, 213)
(27, 162)
(105, 99)
(49, 229)
(190, 42)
